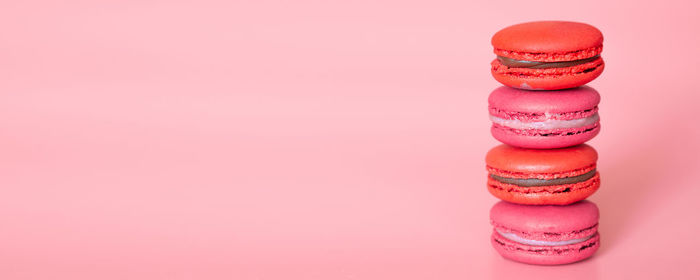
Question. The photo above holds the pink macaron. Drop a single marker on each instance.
(545, 235)
(544, 119)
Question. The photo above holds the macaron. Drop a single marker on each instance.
(542, 177)
(547, 55)
(545, 235)
(544, 119)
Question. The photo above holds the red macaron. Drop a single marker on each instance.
(542, 177)
(547, 55)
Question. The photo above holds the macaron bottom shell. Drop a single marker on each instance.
(544, 195)
(547, 79)
(521, 139)
(544, 255)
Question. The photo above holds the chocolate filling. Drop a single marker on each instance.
(514, 63)
(543, 182)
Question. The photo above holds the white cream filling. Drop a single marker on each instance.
(547, 124)
(520, 239)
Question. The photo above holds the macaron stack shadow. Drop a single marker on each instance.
(543, 114)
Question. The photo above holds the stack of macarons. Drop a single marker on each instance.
(543, 115)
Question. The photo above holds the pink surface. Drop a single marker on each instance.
(317, 139)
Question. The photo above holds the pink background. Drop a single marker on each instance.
(318, 139)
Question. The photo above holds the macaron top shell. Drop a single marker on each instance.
(520, 160)
(548, 41)
(509, 99)
(545, 219)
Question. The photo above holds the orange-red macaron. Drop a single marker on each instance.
(542, 177)
(547, 55)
